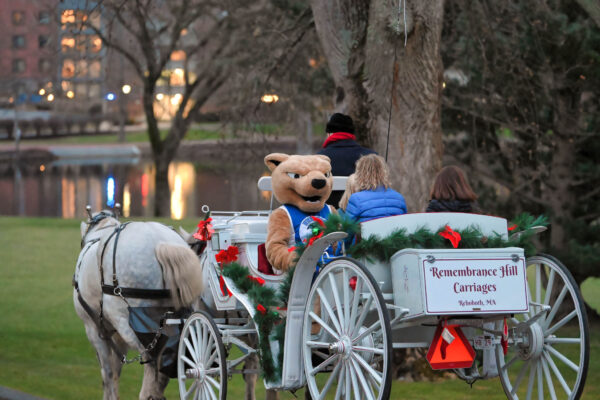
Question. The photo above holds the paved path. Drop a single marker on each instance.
(11, 394)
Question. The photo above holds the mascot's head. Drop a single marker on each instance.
(302, 181)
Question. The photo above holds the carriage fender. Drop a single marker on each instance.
(293, 371)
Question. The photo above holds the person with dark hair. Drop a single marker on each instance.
(452, 193)
(343, 150)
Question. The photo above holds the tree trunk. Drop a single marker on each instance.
(364, 44)
(162, 196)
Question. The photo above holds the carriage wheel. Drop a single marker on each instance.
(548, 347)
(201, 360)
(346, 333)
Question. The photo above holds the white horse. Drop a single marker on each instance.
(148, 255)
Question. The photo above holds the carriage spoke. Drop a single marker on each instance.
(562, 358)
(540, 381)
(346, 291)
(561, 323)
(311, 343)
(191, 390)
(549, 287)
(510, 363)
(552, 340)
(531, 381)
(189, 362)
(341, 383)
(207, 350)
(325, 363)
(336, 298)
(368, 349)
(361, 377)
(316, 318)
(538, 283)
(203, 335)
(195, 343)
(212, 358)
(210, 393)
(213, 371)
(363, 314)
(556, 306)
(355, 300)
(354, 378)
(375, 374)
(520, 377)
(190, 349)
(557, 373)
(348, 382)
(213, 382)
(549, 382)
(367, 331)
(331, 379)
(329, 310)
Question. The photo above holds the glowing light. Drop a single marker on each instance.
(42, 92)
(177, 199)
(42, 168)
(312, 62)
(110, 191)
(160, 96)
(126, 201)
(50, 97)
(176, 99)
(443, 85)
(126, 89)
(110, 96)
(178, 71)
(144, 190)
(269, 98)
(11, 99)
(70, 94)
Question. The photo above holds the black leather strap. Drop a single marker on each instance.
(136, 293)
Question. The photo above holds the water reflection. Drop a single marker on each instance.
(64, 190)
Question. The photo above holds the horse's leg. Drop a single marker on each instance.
(110, 364)
(154, 384)
(250, 378)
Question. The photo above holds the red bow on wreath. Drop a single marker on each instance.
(256, 279)
(205, 230)
(260, 308)
(227, 256)
(452, 236)
(224, 289)
(320, 229)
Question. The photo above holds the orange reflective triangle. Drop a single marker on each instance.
(458, 354)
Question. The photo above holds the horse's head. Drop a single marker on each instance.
(96, 222)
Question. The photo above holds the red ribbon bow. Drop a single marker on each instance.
(256, 279)
(512, 228)
(504, 339)
(205, 230)
(261, 309)
(452, 236)
(227, 256)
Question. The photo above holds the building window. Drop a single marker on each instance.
(18, 17)
(95, 44)
(44, 66)
(18, 65)
(43, 41)
(178, 55)
(68, 69)
(67, 44)
(18, 41)
(44, 17)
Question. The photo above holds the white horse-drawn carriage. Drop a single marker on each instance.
(524, 317)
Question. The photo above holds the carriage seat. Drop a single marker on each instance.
(488, 225)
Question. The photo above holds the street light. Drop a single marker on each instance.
(126, 89)
(42, 92)
(110, 96)
(70, 94)
(269, 98)
(50, 97)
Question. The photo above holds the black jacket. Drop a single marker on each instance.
(453, 206)
(343, 155)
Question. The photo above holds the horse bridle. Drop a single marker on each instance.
(95, 220)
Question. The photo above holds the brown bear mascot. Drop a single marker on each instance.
(302, 184)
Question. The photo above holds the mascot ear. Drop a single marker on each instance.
(324, 157)
(274, 159)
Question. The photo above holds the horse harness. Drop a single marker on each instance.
(106, 330)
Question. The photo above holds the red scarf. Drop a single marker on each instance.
(334, 137)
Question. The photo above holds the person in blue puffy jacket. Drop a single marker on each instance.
(372, 195)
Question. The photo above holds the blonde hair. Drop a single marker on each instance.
(372, 172)
(351, 188)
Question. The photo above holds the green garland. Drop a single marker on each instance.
(269, 299)
(372, 247)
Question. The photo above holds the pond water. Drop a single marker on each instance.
(63, 189)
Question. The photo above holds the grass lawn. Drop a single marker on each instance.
(44, 350)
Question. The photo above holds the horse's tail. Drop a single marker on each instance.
(182, 272)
